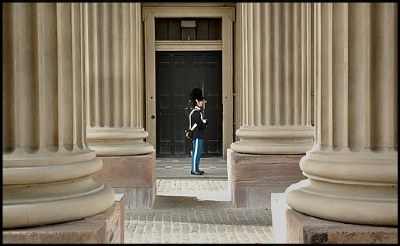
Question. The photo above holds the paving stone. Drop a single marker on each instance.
(196, 209)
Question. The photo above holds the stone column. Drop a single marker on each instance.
(47, 165)
(115, 100)
(352, 170)
(275, 76)
(274, 55)
(114, 78)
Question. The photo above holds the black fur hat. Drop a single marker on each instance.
(196, 94)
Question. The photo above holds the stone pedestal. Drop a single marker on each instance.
(106, 227)
(255, 177)
(134, 176)
(278, 213)
(115, 89)
(274, 93)
(352, 169)
(47, 165)
(311, 230)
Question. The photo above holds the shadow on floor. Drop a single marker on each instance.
(187, 202)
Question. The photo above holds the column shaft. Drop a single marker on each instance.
(275, 79)
(352, 169)
(114, 79)
(47, 165)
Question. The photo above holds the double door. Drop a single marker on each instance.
(177, 73)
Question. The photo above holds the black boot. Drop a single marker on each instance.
(196, 173)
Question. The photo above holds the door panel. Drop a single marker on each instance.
(163, 105)
(213, 108)
(177, 73)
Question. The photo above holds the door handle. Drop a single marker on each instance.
(153, 117)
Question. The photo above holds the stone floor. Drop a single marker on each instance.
(178, 168)
(196, 209)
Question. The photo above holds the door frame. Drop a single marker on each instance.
(227, 14)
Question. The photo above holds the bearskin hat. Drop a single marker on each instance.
(196, 94)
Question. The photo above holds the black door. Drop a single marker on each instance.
(177, 73)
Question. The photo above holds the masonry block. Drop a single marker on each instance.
(133, 176)
(302, 228)
(105, 227)
(255, 177)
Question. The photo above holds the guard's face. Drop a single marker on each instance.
(200, 103)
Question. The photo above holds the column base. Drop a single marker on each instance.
(121, 149)
(105, 227)
(134, 176)
(274, 140)
(348, 186)
(255, 177)
(307, 229)
(114, 141)
(46, 188)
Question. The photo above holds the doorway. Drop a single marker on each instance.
(150, 12)
(177, 73)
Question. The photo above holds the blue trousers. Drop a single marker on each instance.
(197, 147)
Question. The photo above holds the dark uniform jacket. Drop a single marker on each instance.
(201, 123)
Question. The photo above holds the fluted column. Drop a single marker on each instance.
(47, 165)
(275, 75)
(114, 78)
(352, 170)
